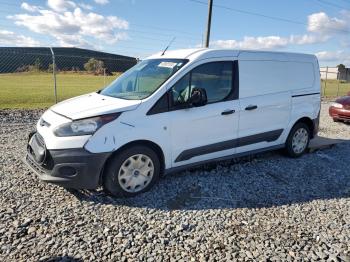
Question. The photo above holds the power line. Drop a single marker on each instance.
(145, 49)
(251, 13)
(9, 4)
(157, 28)
(133, 33)
(160, 34)
(264, 16)
(332, 4)
(160, 39)
(164, 29)
(49, 41)
(141, 45)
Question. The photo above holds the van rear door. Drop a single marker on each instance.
(265, 103)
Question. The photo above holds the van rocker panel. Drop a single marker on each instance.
(224, 158)
(243, 141)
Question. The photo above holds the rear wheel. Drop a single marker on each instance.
(298, 140)
(132, 171)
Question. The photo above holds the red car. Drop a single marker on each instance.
(340, 109)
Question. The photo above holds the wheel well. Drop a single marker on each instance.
(147, 143)
(309, 123)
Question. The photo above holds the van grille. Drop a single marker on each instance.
(35, 165)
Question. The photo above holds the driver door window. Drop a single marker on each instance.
(215, 77)
(181, 91)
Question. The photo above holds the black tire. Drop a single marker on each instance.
(336, 120)
(289, 143)
(110, 181)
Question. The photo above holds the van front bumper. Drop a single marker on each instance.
(71, 168)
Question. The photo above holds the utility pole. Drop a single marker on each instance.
(210, 8)
(54, 73)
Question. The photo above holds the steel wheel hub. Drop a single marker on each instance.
(136, 173)
(300, 140)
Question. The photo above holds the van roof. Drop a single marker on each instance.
(202, 53)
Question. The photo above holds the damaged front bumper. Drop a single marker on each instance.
(71, 168)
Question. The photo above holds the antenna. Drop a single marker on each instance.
(172, 40)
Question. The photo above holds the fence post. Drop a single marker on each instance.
(325, 83)
(54, 73)
(338, 77)
(104, 77)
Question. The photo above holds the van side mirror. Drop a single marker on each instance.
(198, 97)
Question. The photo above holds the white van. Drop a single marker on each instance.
(176, 110)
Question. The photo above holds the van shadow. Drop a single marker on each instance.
(62, 259)
(258, 181)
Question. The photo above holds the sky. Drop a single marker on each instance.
(142, 27)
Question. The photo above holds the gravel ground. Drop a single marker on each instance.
(266, 207)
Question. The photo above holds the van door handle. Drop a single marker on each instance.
(251, 107)
(228, 112)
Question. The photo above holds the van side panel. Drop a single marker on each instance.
(284, 87)
(306, 102)
(272, 113)
(300, 76)
(262, 77)
(264, 74)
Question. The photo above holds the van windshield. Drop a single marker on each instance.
(143, 79)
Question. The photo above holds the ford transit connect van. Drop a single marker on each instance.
(176, 110)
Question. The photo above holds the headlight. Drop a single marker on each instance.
(337, 105)
(86, 126)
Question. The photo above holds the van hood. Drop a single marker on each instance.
(93, 104)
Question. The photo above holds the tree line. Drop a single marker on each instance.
(93, 66)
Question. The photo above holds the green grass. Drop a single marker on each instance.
(36, 90)
(331, 88)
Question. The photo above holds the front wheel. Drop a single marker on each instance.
(132, 171)
(298, 140)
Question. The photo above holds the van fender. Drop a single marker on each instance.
(106, 140)
(305, 107)
(311, 120)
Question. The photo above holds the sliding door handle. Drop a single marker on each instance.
(228, 112)
(251, 107)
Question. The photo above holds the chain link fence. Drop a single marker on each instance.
(335, 82)
(40, 77)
